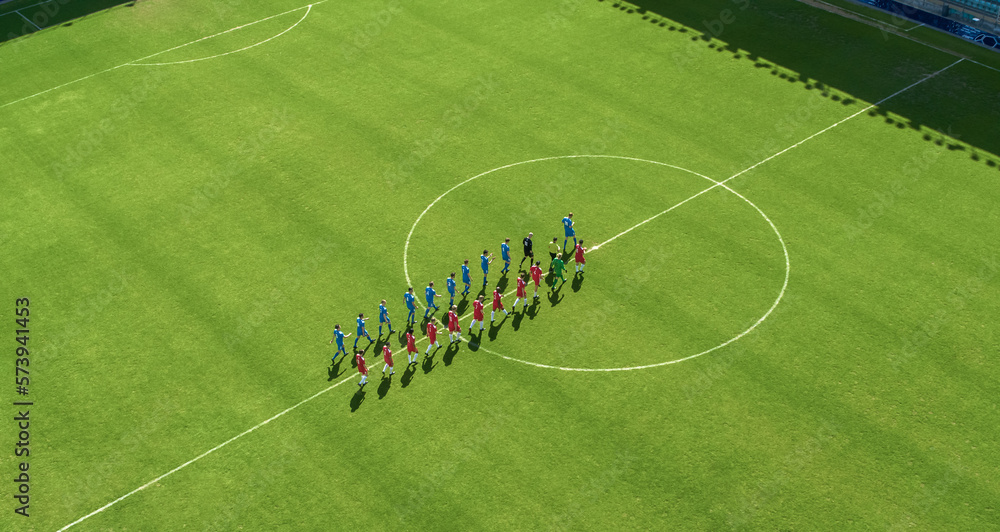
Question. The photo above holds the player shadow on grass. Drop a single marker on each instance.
(408, 373)
(555, 297)
(462, 305)
(518, 316)
(428, 364)
(357, 399)
(334, 370)
(450, 352)
(384, 385)
(577, 282)
(495, 328)
(502, 284)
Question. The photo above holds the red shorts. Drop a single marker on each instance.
(388, 359)
(477, 316)
(497, 304)
(362, 369)
(453, 326)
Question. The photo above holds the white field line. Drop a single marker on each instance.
(133, 63)
(308, 9)
(28, 19)
(206, 453)
(915, 27)
(745, 170)
(338, 383)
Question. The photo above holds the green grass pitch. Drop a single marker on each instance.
(190, 216)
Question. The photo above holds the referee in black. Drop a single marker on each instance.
(528, 252)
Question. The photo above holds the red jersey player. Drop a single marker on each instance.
(521, 293)
(362, 369)
(387, 356)
(453, 326)
(411, 347)
(580, 261)
(497, 304)
(432, 335)
(536, 275)
(477, 314)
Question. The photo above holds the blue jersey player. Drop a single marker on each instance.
(362, 331)
(466, 278)
(570, 232)
(339, 336)
(485, 261)
(505, 255)
(430, 294)
(411, 305)
(383, 317)
(451, 289)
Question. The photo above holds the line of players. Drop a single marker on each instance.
(556, 267)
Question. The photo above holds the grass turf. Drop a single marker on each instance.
(188, 235)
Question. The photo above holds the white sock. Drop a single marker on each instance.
(515, 302)
(364, 378)
(505, 313)
(429, 348)
(385, 367)
(493, 314)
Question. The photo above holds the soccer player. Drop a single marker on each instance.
(432, 335)
(411, 305)
(570, 232)
(505, 255)
(553, 250)
(411, 347)
(536, 276)
(362, 369)
(580, 261)
(528, 251)
(485, 262)
(521, 293)
(387, 356)
(477, 315)
(557, 270)
(453, 326)
(466, 278)
(451, 289)
(430, 294)
(383, 317)
(497, 304)
(362, 331)
(339, 336)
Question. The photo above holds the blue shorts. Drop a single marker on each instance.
(383, 319)
(451, 291)
(570, 232)
(466, 280)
